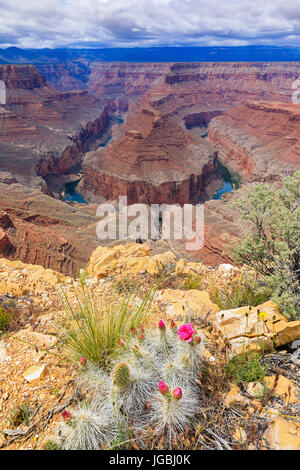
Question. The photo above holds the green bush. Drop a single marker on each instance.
(247, 368)
(272, 247)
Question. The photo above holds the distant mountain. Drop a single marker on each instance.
(152, 54)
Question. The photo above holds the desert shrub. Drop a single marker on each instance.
(238, 292)
(192, 281)
(152, 383)
(94, 329)
(247, 368)
(5, 318)
(272, 247)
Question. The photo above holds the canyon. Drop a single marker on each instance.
(164, 126)
(177, 121)
(262, 147)
(46, 131)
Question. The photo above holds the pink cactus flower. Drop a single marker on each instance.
(177, 393)
(161, 325)
(186, 332)
(163, 388)
(82, 360)
(66, 415)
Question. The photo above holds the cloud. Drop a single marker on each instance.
(117, 23)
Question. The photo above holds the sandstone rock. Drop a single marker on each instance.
(285, 389)
(194, 302)
(189, 268)
(283, 434)
(255, 389)
(287, 332)
(247, 327)
(234, 396)
(35, 373)
(35, 280)
(132, 258)
(105, 259)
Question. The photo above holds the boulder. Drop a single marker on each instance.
(189, 268)
(130, 258)
(196, 303)
(249, 327)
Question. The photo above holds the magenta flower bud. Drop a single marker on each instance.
(161, 325)
(197, 339)
(82, 360)
(141, 337)
(66, 415)
(133, 330)
(177, 393)
(122, 342)
(163, 388)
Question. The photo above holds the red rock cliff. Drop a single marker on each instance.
(258, 140)
(53, 127)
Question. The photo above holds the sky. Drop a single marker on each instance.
(142, 23)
